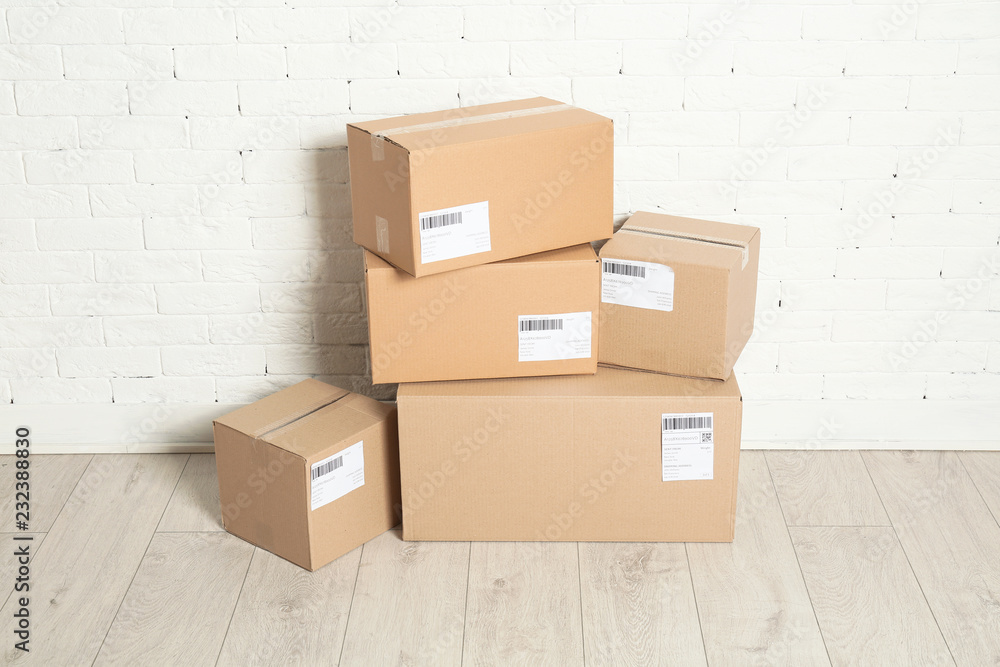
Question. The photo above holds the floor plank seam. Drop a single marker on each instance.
(232, 614)
(350, 607)
(978, 490)
(583, 622)
(694, 594)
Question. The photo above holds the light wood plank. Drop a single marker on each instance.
(825, 489)
(409, 603)
(195, 504)
(91, 553)
(523, 604)
(53, 478)
(288, 615)
(751, 597)
(984, 469)
(866, 598)
(8, 563)
(178, 607)
(952, 543)
(638, 605)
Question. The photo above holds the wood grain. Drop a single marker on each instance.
(178, 607)
(409, 603)
(638, 605)
(8, 564)
(194, 505)
(91, 553)
(825, 489)
(984, 469)
(290, 616)
(524, 604)
(952, 542)
(53, 478)
(752, 600)
(866, 598)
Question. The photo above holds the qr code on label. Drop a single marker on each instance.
(706, 437)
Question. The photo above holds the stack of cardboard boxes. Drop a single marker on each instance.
(487, 302)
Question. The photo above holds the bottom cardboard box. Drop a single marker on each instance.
(617, 456)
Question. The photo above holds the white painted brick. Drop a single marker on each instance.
(65, 25)
(118, 62)
(37, 133)
(916, 326)
(179, 26)
(227, 62)
(854, 93)
(20, 62)
(745, 20)
(772, 228)
(132, 132)
(102, 299)
(789, 197)
(156, 330)
(738, 93)
(291, 26)
(975, 20)
(147, 266)
(937, 356)
(11, 168)
(272, 166)
(396, 96)
(275, 132)
(89, 234)
(951, 162)
(646, 163)
(261, 328)
(797, 263)
(779, 325)
(758, 358)
(857, 22)
(251, 389)
(207, 298)
(296, 98)
(577, 58)
(310, 297)
(631, 22)
(46, 390)
(255, 266)
(628, 93)
(935, 295)
(50, 201)
(66, 98)
(521, 23)
(196, 233)
(183, 98)
(832, 163)
(76, 362)
(45, 332)
(968, 93)
(252, 200)
(340, 266)
(995, 296)
(733, 164)
(325, 61)
(897, 196)
(676, 57)
(692, 198)
(19, 363)
(684, 128)
(839, 294)
(402, 24)
(341, 329)
(900, 128)
(875, 386)
(965, 386)
(302, 233)
(982, 263)
(838, 231)
(499, 89)
(888, 262)
(49, 267)
(777, 386)
(188, 360)
(800, 127)
(4, 36)
(901, 58)
(78, 166)
(328, 200)
(829, 357)
(164, 390)
(7, 104)
(310, 359)
(188, 166)
(993, 362)
(976, 197)
(789, 58)
(979, 57)
(17, 235)
(24, 301)
(112, 201)
(455, 60)
(980, 127)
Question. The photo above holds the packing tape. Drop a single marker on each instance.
(305, 411)
(693, 238)
(379, 137)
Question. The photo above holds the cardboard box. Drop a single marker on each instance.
(616, 456)
(532, 315)
(434, 192)
(678, 295)
(308, 473)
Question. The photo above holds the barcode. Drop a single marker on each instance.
(443, 220)
(682, 423)
(540, 325)
(327, 467)
(630, 270)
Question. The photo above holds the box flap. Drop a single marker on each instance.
(282, 408)
(578, 253)
(706, 231)
(317, 432)
(684, 240)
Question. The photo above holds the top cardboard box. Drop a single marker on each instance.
(434, 192)
(678, 295)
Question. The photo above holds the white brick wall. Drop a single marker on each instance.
(176, 215)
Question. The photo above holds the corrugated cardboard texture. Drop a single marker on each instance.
(548, 178)
(562, 458)
(264, 454)
(464, 324)
(715, 290)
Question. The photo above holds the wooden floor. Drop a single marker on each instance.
(875, 558)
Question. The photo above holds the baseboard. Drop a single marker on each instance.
(812, 424)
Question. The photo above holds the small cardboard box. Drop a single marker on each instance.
(439, 191)
(308, 473)
(617, 456)
(532, 315)
(678, 295)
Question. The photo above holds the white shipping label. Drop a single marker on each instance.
(637, 284)
(553, 337)
(454, 232)
(338, 475)
(688, 442)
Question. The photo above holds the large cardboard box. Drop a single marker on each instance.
(532, 315)
(439, 191)
(616, 456)
(678, 295)
(308, 473)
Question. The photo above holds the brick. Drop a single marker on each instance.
(798, 263)
(682, 198)
(78, 166)
(11, 169)
(207, 298)
(328, 200)
(854, 94)
(227, 62)
(710, 23)
(838, 231)
(979, 263)
(401, 24)
(916, 326)
(917, 355)
(976, 197)
(978, 57)
(401, 96)
(47, 390)
(780, 325)
(758, 358)
(676, 57)
(45, 332)
(341, 329)
(275, 166)
(521, 23)
(108, 361)
(197, 233)
(626, 22)
(576, 58)
(29, 62)
(112, 201)
(946, 161)
(313, 359)
(292, 26)
(968, 93)
(858, 22)
(132, 132)
(24, 362)
(980, 127)
(733, 164)
(242, 133)
(47, 267)
(251, 389)
(118, 62)
(65, 25)
(779, 386)
(188, 166)
(455, 60)
(900, 128)
(646, 163)
(310, 297)
(183, 98)
(684, 128)
(24, 300)
(188, 360)
(325, 61)
(70, 98)
(302, 233)
(149, 330)
(305, 98)
(976, 20)
(500, 89)
(738, 93)
(789, 197)
(838, 294)
(789, 58)
(628, 93)
(901, 58)
(888, 262)
(937, 294)
(255, 266)
(897, 196)
(993, 361)
(164, 390)
(800, 127)
(963, 386)
(37, 133)
(8, 106)
(102, 299)
(874, 386)
(89, 234)
(179, 26)
(261, 328)
(147, 266)
(252, 200)
(832, 163)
